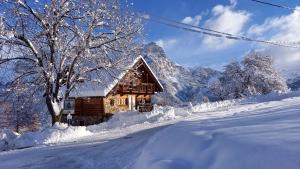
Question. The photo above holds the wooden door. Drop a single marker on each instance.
(131, 102)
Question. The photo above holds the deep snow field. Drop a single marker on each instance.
(261, 132)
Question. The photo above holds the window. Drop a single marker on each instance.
(117, 101)
(142, 101)
(123, 101)
(112, 102)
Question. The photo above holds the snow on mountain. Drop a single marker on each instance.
(294, 84)
(181, 84)
(293, 78)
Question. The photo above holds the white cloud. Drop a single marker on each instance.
(233, 2)
(192, 20)
(225, 19)
(285, 29)
(194, 49)
(168, 43)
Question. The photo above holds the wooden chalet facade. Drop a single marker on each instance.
(131, 90)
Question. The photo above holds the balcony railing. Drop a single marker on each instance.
(144, 88)
(146, 107)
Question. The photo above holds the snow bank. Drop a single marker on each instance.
(55, 134)
(126, 119)
(274, 96)
(158, 115)
(205, 107)
(62, 133)
(6, 139)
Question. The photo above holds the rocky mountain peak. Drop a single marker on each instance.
(153, 49)
(181, 84)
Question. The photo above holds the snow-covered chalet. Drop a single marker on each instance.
(122, 89)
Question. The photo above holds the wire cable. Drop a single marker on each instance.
(276, 5)
(211, 32)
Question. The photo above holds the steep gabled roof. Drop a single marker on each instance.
(108, 79)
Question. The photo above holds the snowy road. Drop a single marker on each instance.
(260, 135)
(102, 154)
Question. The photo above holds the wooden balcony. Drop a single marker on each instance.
(144, 88)
(146, 107)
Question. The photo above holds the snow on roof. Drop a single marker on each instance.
(108, 79)
(155, 77)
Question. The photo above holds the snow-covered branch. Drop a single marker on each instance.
(63, 41)
(254, 76)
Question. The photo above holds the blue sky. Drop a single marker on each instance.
(242, 17)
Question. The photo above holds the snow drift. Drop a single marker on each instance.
(57, 133)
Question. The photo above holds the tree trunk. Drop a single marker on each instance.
(54, 117)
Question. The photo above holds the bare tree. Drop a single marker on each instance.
(51, 47)
(217, 89)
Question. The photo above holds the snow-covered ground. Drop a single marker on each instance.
(252, 133)
(264, 136)
(121, 124)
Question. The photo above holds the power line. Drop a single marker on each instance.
(276, 5)
(180, 23)
(211, 32)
